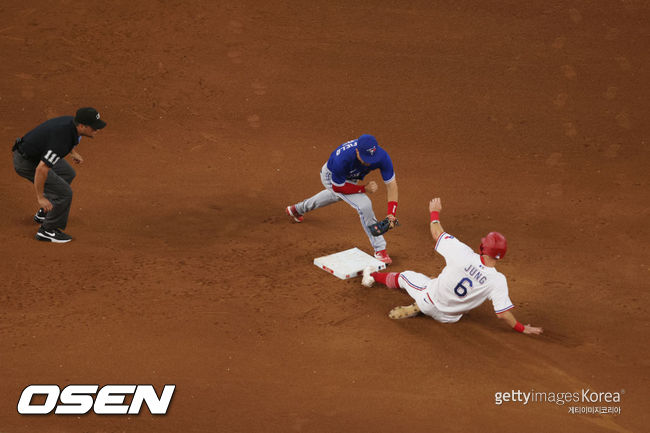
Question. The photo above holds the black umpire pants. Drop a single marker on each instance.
(57, 188)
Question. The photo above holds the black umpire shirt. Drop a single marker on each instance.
(51, 140)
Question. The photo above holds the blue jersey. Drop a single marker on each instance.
(345, 166)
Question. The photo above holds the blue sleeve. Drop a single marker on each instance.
(387, 172)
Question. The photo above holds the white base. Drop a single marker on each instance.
(349, 263)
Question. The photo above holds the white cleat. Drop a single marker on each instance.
(367, 279)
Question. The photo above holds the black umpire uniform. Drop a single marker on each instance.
(49, 143)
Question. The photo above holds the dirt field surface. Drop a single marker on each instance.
(529, 118)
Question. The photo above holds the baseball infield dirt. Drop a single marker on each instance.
(529, 118)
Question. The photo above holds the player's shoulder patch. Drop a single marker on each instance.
(448, 237)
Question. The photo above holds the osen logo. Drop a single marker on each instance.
(81, 399)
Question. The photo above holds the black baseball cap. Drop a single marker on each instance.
(89, 116)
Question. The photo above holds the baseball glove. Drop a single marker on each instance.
(404, 312)
(381, 227)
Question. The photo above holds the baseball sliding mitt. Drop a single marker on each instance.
(381, 227)
(404, 312)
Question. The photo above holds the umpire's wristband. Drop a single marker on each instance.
(519, 327)
(392, 208)
(435, 216)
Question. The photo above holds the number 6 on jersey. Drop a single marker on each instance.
(460, 289)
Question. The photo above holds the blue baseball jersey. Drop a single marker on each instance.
(345, 166)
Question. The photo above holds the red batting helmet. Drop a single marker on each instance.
(494, 245)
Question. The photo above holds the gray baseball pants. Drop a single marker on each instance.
(57, 188)
(359, 202)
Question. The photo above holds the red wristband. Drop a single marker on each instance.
(519, 327)
(435, 216)
(392, 208)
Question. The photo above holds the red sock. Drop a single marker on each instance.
(389, 279)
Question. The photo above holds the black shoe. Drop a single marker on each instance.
(40, 216)
(52, 235)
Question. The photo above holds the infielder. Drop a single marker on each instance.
(340, 175)
(467, 280)
(38, 157)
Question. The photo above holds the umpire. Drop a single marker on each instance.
(38, 157)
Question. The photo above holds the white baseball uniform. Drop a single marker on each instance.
(461, 286)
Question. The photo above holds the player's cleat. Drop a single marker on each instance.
(404, 312)
(293, 214)
(40, 216)
(52, 235)
(367, 279)
(383, 256)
